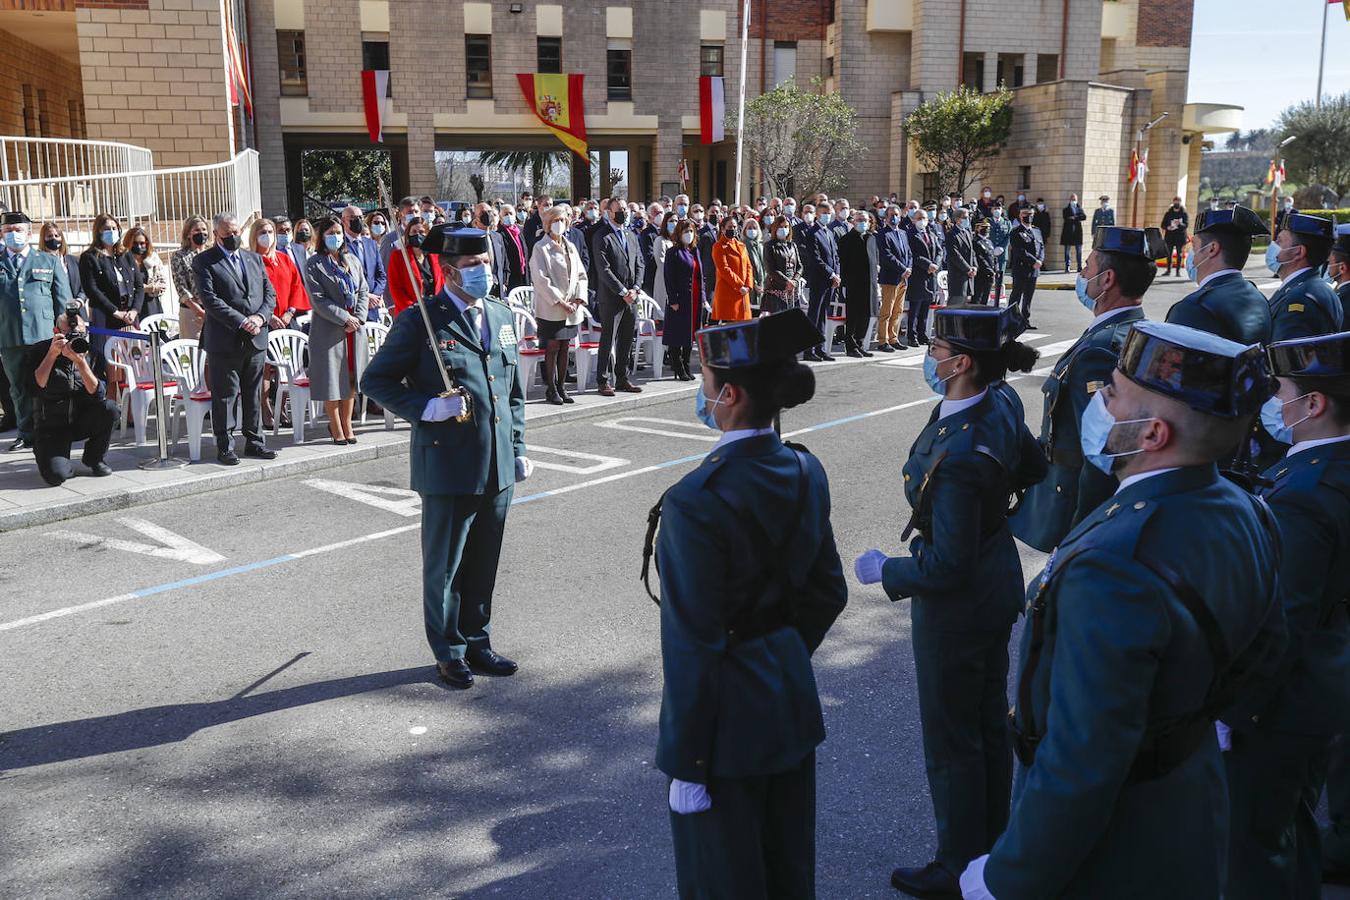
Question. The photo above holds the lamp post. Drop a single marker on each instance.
(1134, 190)
(1276, 181)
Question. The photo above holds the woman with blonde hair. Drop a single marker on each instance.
(195, 237)
(140, 250)
(559, 280)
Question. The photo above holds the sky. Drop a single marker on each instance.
(1262, 55)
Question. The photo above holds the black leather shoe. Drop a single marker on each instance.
(489, 662)
(885, 348)
(822, 356)
(20, 444)
(931, 881)
(455, 673)
(853, 352)
(227, 457)
(259, 452)
(100, 470)
(628, 388)
(866, 353)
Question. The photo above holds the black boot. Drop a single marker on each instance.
(552, 396)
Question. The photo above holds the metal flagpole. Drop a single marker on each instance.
(1322, 53)
(740, 106)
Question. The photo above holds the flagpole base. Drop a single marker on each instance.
(164, 462)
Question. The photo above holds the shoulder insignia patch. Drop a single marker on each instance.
(506, 336)
(1295, 307)
(1094, 386)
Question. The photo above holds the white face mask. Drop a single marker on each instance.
(687, 238)
(556, 228)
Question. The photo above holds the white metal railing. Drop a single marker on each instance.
(37, 157)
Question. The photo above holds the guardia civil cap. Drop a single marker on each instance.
(17, 217)
(1320, 356)
(1237, 220)
(1311, 226)
(740, 345)
(977, 327)
(454, 240)
(1342, 245)
(1146, 243)
(1208, 373)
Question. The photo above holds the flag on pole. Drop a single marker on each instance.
(1344, 4)
(712, 109)
(684, 174)
(558, 102)
(237, 63)
(1143, 171)
(1276, 175)
(1134, 167)
(375, 94)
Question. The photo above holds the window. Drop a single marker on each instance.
(829, 67)
(710, 59)
(478, 65)
(30, 118)
(291, 63)
(75, 110)
(720, 178)
(550, 55)
(375, 55)
(972, 71)
(44, 123)
(930, 186)
(620, 74)
(784, 61)
(1047, 67)
(1023, 178)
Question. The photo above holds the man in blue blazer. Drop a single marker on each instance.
(893, 247)
(925, 259)
(239, 300)
(820, 262)
(365, 249)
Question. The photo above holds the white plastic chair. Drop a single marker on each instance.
(386, 319)
(185, 361)
(586, 350)
(648, 336)
(521, 298)
(166, 324)
(301, 322)
(368, 342)
(132, 358)
(834, 322)
(527, 345)
(287, 350)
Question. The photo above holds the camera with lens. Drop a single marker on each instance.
(76, 337)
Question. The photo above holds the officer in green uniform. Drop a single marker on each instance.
(1137, 631)
(34, 292)
(1224, 302)
(750, 584)
(467, 452)
(1119, 271)
(965, 578)
(1304, 305)
(1282, 732)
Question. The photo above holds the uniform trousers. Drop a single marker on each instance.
(892, 307)
(461, 543)
(1336, 838)
(1023, 287)
(618, 325)
(998, 281)
(758, 841)
(821, 294)
(236, 381)
(962, 678)
(20, 399)
(51, 445)
(1274, 782)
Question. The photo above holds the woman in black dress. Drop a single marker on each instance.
(684, 297)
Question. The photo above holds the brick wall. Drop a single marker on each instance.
(56, 77)
(267, 106)
(421, 30)
(1165, 23)
(790, 20)
(333, 54)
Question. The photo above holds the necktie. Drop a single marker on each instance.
(471, 313)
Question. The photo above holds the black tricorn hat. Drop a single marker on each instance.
(1321, 356)
(1238, 220)
(1208, 373)
(1146, 243)
(740, 345)
(1311, 226)
(17, 217)
(453, 240)
(977, 327)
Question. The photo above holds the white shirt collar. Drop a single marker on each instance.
(1106, 315)
(952, 407)
(740, 434)
(1212, 275)
(1308, 445)
(1294, 274)
(1142, 475)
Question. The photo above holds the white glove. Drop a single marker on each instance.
(1225, 736)
(868, 566)
(524, 468)
(972, 880)
(689, 797)
(998, 251)
(440, 409)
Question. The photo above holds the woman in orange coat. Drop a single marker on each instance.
(735, 277)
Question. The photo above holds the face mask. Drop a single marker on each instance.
(591, 215)
(408, 219)
(1190, 266)
(52, 244)
(109, 237)
(988, 194)
(790, 209)
(670, 226)
(230, 242)
(681, 210)
(781, 234)
(378, 229)
(895, 221)
(1021, 198)
(1081, 287)
(15, 240)
(687, 238)
(620, 216)
(998, 214)
(476, 280)
(701, 404)
(767, 220)
(332, 241)
(921, 224)
(942, 217)
(416, 240)
(302, 235)
(698, 217)
(1026, 221)
(860, 227)
(264, 240)
(1040, 207)
(555, 229)
(199, 239)
(509, 219)
(283, 241)
(1272, 417)
(1095, 431)
(930, 375)
(1273, 259)
(466, 218)
(752, 234)
(357, 226)
(809, 218)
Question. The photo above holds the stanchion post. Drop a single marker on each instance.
(165, 461)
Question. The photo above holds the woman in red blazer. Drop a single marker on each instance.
(401, 290)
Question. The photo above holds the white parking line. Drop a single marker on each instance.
(598, 463)
(694, 431)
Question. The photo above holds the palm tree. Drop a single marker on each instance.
(540, 163)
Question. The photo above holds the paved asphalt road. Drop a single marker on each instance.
(273, 727)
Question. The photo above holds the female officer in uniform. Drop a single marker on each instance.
(965, 578)
(743, 606)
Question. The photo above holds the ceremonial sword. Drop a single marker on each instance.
(451, 389)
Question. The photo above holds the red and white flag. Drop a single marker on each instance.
(684, 173)
(375, 94)
(1275, 177)
(712, 109)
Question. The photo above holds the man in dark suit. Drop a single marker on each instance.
(533, 229)
(647, 241)
(365, 249)
(239, 299)
(924, 257)
(1041, 219)
(1026, 254)
(1071, 235)
(961, 266)
(820, 261)
(707, 236)
(485, 217)
(893, 251)
(618, 262)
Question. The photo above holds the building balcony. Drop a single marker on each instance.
(1211, 118)
(890, 15)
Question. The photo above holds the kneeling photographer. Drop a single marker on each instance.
(69, 404)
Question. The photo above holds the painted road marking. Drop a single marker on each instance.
(399, 501)
(168, 545)
(694, 431)
(598, 463)
(912, 360)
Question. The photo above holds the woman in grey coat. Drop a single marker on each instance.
(337, 290)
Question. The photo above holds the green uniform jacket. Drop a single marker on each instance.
(738, 709)
(959, 477)
(1119, 656)
(32, 298)
(1309, 690)
(1304, 306)
(1229, 306)
(455, 458)
(1072, 489)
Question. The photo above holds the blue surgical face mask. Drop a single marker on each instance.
(1095, 431)
(790, 208)
(476, 280)
(283, 241)
(1273, 258)
(1080, 286)
(1190, 267)
(265, 240)
(860, 227)
(681, 210)
(16, 240)
(377, 229)
(1272, 417)
(930, 374)
(332, 241)
(109, 237)
(670, 226)
(702, 404)
(781, 234)
(509, 219)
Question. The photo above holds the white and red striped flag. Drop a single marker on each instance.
(1275, 177)
(712, 109)
(684, 173)
(375, 94)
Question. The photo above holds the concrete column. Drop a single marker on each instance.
(990, 72)
(606, 186)
(1028, 69)
(267, 110)
(669, 146)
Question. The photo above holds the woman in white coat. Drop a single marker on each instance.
(559, 281)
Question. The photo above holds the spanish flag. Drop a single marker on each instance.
(557, 101)
(1344, 4)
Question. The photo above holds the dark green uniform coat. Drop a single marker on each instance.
(966, 580)
(1072, 489)
(740, 712)
(1304, 306)
(32, 295)
(1283, 731)
(1229, 306)
(1109, 653)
